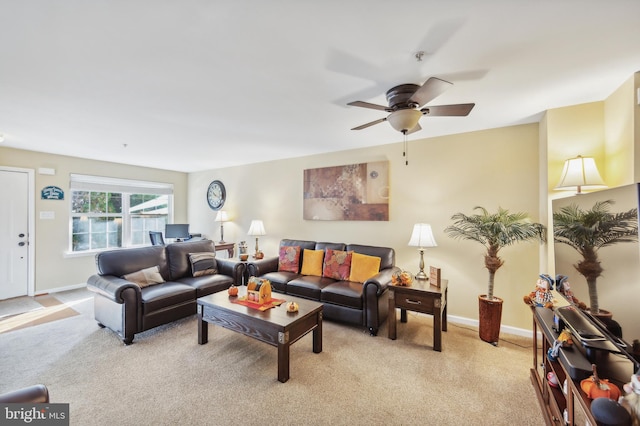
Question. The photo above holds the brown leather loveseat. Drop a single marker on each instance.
(361, 301)
(141, 288)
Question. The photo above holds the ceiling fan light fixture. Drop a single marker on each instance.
(404, 120)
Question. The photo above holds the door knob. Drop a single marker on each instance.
(21, 235)
(21, 243)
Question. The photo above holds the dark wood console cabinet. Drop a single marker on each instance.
(554, 402)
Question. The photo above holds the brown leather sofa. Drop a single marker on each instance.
(127, 308)
(364, 304)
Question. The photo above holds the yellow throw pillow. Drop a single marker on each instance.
(363, 267)
(312, 262)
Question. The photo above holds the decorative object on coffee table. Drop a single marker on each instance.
(256, 229)
(259, 290)
(422, 236)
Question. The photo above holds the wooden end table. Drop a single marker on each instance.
(275, 326)
(420, 297)
(229, 247)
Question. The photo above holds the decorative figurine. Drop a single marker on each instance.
(542, 295)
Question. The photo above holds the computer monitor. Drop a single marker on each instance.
(178, 231)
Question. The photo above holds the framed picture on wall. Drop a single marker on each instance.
(351, 192)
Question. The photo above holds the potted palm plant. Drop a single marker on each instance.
(587, 231)
(494, 231)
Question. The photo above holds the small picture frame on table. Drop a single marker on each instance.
(434, 276)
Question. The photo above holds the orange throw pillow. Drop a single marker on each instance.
(312, 262)
(363, 267)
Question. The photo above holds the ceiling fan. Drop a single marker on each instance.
(405, 102)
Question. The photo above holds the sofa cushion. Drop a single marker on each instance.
(363, 267)
(344, 293)
(289, 259)
(145, 277)
(279, 280)
(178, 256)
(203, 264)
(312, 262)
(309, 286)
(337, 264)
(208, 284)
(165, 295)
(387, 255)
(121, 262)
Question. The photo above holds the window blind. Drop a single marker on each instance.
(80, 182)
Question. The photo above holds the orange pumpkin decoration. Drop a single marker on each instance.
(233, 290)
(595, 387)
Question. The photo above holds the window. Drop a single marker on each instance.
(109, 213)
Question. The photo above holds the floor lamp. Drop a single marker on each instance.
(422, 237)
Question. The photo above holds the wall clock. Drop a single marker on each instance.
(216, 195)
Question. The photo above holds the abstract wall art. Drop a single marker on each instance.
(351, 192)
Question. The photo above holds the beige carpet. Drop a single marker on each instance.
(166, 378)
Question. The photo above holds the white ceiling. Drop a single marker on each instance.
(194, 85)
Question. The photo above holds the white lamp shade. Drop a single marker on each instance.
(404, 120)
(422, 236)
(256, 228)
(580, 173)
(222, 216)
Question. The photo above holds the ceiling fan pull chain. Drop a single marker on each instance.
(405, 152)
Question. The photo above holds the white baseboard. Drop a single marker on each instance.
(59, 289)
(503, 328)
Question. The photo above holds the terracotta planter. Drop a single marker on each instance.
(490, 318)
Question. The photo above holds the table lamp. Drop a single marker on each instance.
(422, 237)
(256, 229)
(222, 217)
(580, 173)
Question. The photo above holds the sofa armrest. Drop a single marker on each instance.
(258, 268)
(230, 268)
(381, 280)
(35, 394)
(111, 287)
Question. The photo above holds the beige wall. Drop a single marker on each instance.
(445, 175)
(53, 268)
(619, 135)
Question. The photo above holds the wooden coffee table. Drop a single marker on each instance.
(275, 326)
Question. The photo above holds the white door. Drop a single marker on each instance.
(14, 233)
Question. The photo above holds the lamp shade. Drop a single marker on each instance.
(222, 216)
(422, 236)
(580, 173)
(256, 228)
(404, 120)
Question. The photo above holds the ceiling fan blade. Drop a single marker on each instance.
(364, 126)
(431, 88)
(415, 129)
(367, 105)
(458, 110)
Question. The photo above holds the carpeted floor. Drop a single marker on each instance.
(22, 312)
(166, 378)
